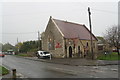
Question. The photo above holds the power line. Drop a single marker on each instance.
(105, 11)
(26, 14)
(100, 10)
(20, 33)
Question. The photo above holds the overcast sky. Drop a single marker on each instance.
(23, 20)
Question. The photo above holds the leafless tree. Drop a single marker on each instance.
(112, 37)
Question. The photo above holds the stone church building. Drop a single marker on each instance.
(66, 39)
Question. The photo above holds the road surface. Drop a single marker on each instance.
(37, 69)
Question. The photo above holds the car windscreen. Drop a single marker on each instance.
(46, 53)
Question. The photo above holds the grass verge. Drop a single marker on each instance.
(24, 55)
(112, 56)
(3, 70)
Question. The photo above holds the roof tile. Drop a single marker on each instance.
(74, 30)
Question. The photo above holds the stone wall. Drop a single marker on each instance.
(53, 31)
(81, 44)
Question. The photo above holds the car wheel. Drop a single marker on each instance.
(3, 56)
(37, 55)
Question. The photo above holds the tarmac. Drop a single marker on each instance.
(67, 61)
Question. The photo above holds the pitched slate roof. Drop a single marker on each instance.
(73, 30)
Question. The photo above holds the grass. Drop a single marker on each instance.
(3, 70)
(112, 56)
(23, 55)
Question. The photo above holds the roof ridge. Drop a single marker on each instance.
(69, 22)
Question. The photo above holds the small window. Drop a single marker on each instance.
(51, 45)
(93, 45)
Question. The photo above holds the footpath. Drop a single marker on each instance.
(9, 76)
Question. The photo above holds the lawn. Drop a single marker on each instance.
(112, 56)
(23, 55)
(3, 71)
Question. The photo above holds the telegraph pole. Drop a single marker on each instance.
(17, 46)
(91, 33)
(38, 40)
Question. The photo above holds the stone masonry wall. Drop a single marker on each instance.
(52, 30)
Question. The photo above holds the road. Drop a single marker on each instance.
(37, 69)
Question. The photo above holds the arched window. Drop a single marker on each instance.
(51, 45)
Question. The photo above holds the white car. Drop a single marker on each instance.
(43, 54)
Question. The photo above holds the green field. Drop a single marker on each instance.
(3, 71)
(112, 56)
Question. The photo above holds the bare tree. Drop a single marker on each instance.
(112, 37)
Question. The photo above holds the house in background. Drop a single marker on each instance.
(101, 43)
(66, 39)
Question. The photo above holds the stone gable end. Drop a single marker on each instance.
(53, 34)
